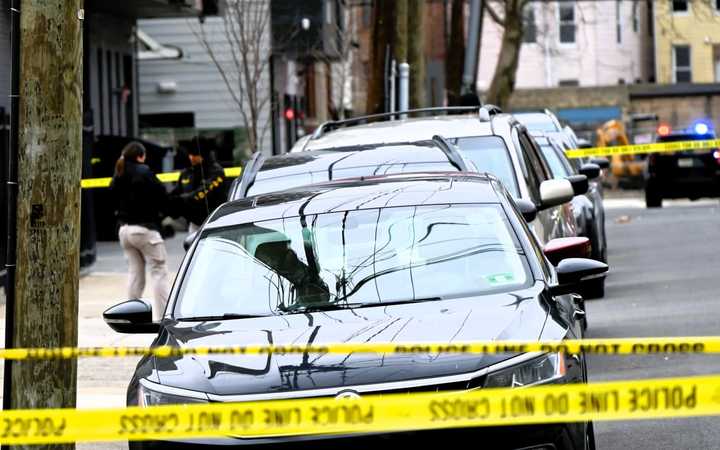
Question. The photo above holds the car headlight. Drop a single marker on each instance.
(544, 369)
(150, 397)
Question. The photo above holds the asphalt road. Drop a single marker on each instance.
(664, 281)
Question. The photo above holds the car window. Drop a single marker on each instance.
(263, 186)
(531, 179)
(362, 256)
(490, 154)
(537, 121)
(533, 152)
(557, 167)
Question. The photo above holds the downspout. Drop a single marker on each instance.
(546, 47)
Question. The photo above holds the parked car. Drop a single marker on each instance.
(438, 257)
(547, 123)
(277, 173)
(588, 209)
(687, 173)
(497, 143)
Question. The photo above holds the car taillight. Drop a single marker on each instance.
(570, 247)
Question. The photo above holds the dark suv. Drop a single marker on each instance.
(687, 173)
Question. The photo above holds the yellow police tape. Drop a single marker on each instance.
(618, 400)
(168, 177)
(639, 149)
(603, 346)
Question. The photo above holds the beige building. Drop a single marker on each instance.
(575, 43)
(687, 41)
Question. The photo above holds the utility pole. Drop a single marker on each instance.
(472, 51)
(49, 129)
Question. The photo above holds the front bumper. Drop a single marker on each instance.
(525, 437)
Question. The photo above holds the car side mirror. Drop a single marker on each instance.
(579, 183)
(527, 209)
(574, 273)
(569, 247)
(189, 239)
(603, 163)
(590, 170)
(132, 317)
(555, 192)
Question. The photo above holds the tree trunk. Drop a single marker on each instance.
(48, 206)
(503, 83)
(416, 53)
(382, 37)
(401, 31)
(455, 61)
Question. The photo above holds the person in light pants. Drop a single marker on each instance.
(141, 198)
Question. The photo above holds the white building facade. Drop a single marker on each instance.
(576, 43)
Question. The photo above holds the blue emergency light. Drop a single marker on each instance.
(701, 128)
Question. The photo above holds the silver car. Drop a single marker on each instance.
(495, 142)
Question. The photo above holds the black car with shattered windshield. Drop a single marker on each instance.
(403, 258)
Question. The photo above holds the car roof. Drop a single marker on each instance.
(421, 128)
(384, 191)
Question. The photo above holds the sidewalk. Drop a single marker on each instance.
(102, 382)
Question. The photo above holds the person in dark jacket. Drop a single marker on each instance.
(201, 187)
(141, 198)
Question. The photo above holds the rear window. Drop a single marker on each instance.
(263, 186)
(489, 154)
(537, 122)
(685, 137)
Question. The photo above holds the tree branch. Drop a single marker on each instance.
(494, 15)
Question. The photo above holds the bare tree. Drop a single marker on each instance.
(240, 50)
(510, 18)
(383, 31)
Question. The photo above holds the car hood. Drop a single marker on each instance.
(520, 315)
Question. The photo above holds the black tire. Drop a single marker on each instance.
(594, 289)
(653, 198)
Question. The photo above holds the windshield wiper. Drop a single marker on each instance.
(340, 305)
(226, 316)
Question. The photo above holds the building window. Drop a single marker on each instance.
(635, 16)
(682, 73)
(566, 11)
(567, 83)
(679, 6)
(618, 21)
(529, 26)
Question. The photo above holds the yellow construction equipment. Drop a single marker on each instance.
(625, 170)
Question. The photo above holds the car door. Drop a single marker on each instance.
(552, 222)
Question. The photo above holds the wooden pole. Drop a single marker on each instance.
(48, 204)
(416, 53)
